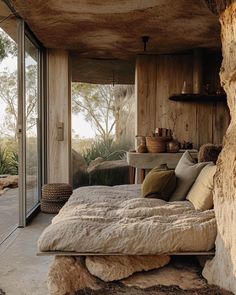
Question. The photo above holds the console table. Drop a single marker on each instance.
(147, 161)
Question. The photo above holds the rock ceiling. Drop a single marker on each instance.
(111, 30)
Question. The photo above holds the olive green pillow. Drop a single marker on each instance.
(159, 184)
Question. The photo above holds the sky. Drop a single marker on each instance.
(81, 127)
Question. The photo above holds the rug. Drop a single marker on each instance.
(120, 289)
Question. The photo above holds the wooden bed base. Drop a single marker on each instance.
(61, 253)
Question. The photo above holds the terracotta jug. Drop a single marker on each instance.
(142, 148)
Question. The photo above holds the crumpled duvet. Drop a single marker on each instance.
(108, 220)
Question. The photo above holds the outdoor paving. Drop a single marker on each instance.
(8, 212)
(9, 209)
(21, 271)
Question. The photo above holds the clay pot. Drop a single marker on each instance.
(172, 146)
(142, 148)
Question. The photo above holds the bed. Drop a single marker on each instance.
(103, 220)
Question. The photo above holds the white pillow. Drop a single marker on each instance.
(186, 171)
(200, 194)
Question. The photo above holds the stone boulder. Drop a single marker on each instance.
(8, 181)
(113, 268)
(79, 170)
(95, 162)
(185, 277)
(109, 173)
(68, 274)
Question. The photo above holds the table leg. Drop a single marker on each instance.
(132, 171)
(142, 175)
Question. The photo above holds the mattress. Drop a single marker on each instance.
(109, 220)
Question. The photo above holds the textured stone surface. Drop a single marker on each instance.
(109, 32)
(79, 170)
(222, 269)
(113, 268)
(185, 277)
(109, 172)
(98, 70)
(11, 181)
(68, 274)
(117, 289)
(181, 276)
(114, 28)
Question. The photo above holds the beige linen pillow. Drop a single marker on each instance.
(200, 195)
(186, 171)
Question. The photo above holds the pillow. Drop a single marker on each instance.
(186, 172)
(159, 184)
(209, 152)
(200, 195)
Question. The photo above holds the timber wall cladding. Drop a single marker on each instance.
(160, 76)
(59, 110)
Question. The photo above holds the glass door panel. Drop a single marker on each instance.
(32, 125)
(9, 209)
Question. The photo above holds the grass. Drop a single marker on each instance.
(108, 150)
(8, 161)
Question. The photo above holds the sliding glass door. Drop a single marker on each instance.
(20, 122)
(29, 124)
(32, 128)
(9, 209)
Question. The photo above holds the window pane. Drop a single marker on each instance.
(31, 113)
(9, 211)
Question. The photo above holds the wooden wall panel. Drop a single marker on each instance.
(158, 77)
(146, 106)
(204, 123)
(59, 110)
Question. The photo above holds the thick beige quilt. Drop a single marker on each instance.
(110, 220)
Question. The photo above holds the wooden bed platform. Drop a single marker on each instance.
(61, 253)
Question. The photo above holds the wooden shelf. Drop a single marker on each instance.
(198, 97)
(151, 160)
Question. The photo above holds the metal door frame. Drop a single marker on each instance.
(24, 32)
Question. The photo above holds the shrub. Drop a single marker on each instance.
(8, 161)
(4, 165)
(97, 149)
(109, 150)
(14, 162)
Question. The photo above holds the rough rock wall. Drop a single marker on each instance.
(222, 269)
(125, 117)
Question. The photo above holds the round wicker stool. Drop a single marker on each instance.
(54, 196)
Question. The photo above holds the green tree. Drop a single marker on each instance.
(97, 104)
(7, 46)
(101, 105)
(9, 98)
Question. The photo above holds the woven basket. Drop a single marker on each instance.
(156, 144)
(51, 207)
(56, 191)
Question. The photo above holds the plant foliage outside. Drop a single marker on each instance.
(8, 161)
(106, 108)
(109, 150)
(9, 105)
